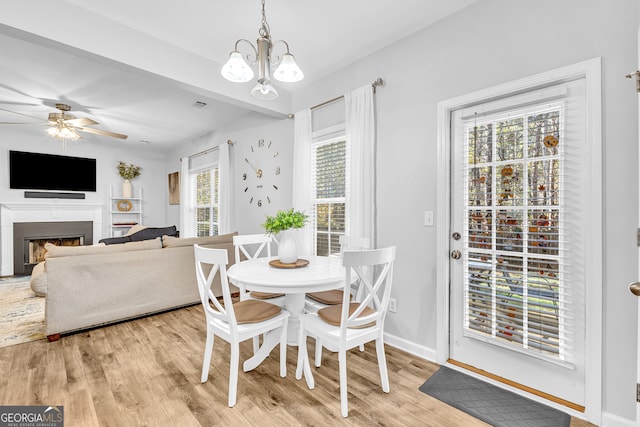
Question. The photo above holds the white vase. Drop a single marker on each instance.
(287, 247)
(126, 188)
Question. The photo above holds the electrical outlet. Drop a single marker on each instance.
(392, 305)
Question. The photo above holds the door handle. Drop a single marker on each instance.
(634, 287)
(457, 255)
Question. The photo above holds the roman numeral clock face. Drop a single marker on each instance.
(262, 169)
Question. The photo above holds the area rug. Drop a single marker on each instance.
(21, 312)
(489, 403)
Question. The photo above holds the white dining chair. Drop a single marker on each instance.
(234, 322)
(253, 246)
(350, 324)
(315, 301)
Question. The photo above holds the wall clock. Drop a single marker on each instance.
(262, 170)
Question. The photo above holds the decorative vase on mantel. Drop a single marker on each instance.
(287, 247)
(126, 188)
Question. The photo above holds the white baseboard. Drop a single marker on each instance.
(410, 347)
(610, 420)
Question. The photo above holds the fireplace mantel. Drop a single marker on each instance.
(43, 211)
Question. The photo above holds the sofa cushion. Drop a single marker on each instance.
(38, 281)
(174, 242)
(54, 251)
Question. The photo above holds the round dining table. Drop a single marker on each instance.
(320, 274)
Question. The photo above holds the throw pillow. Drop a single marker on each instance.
(62, 251)
(115, 240)
(173, 242)
(142, 233)
(153, 232)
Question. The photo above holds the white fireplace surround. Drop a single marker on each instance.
(45, 211)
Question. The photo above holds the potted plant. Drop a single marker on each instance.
(284, 223)
(127, 172)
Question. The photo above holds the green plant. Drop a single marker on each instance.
(128, 171)
(284, 220)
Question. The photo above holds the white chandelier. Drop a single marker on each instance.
(239, 71)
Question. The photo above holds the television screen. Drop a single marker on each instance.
(36, 171)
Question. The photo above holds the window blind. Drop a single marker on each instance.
(329, 190)
(204, 199)
(517, 284)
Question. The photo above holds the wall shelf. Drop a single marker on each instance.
(124, 212)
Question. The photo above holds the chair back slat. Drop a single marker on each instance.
(241, 244)
(209, 263)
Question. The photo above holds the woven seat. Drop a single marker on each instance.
(331, 297)
(264, 295)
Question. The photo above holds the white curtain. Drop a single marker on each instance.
(302, 176)
(185, 204)
(360, 122)
(224, 200)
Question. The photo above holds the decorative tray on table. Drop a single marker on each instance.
(299, 263)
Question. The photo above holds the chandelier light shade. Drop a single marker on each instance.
(238, 67)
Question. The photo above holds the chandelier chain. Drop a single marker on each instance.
(264, 31)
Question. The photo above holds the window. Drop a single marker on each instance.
(204, 201)
(329, 192)
(516, 286)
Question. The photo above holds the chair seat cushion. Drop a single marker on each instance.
(264, 295)
(253, 311)
(331, 297)
(331, 314)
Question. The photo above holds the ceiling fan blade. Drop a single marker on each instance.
(102, 132)
(81, 121)
(39, 119)
(17, 123)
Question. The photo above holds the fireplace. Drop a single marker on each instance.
(29, 239)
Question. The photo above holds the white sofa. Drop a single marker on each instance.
(89, 286)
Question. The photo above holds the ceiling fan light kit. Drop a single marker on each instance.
(237, 69)
(65, 127)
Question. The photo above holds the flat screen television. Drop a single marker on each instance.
(37, 171)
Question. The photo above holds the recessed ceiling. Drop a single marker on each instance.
(324, 36)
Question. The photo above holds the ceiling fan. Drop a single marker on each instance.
(65, 126)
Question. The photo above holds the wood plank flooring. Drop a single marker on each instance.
(146, 372)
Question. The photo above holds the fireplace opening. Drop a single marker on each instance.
(29, 239)
(34, 249)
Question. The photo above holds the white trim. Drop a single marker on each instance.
(610, 420)
(410, 347)
(591, 71)
(43, 211)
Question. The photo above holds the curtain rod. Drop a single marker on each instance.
(374, 85)
(208, 150)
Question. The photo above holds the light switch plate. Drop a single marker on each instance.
(428, 218)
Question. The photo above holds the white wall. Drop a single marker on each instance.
(493, 42)
(107, 153)
(244, 133)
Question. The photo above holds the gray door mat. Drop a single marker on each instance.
(491, 404)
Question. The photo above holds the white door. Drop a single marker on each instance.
(518, 230)
(635, 287)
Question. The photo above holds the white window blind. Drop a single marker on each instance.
(329, 190)
(517, 290)
(204, 200)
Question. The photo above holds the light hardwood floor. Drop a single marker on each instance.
(146, 372)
